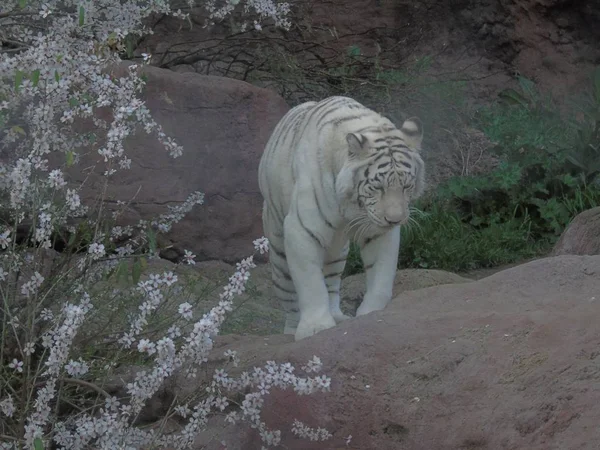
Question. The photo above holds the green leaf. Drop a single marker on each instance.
(56, 76)
(528, 87)
(73, 102)
(18, 129)
(71, 240)
(568, 180)
(575, 161)
(597, 84)
(18, 79)
(152, 240)
(35, 77)
(23, 4)
(38, 444)
(81, 16)
(136, 271)
(70, 156)
(121, 271)
(129, 48)
(353, 50)
(512, 97)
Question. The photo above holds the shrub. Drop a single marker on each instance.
(69, 320)
(548, 172)
(549, 168)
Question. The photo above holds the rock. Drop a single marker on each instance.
(507, 362)
(562, 22)
(582, 236)
(353, 287)
(256, 312)
(223, 126)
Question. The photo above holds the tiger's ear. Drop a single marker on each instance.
(412, 128)
(357, 144)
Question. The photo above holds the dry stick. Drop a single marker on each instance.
(236, 39)
(81, 383)
(17, 13)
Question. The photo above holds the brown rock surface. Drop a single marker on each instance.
(223, 126)
(353, 287)
(550, 41)
(582, 236)
(507, 362)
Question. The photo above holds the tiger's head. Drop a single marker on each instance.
(383, 173)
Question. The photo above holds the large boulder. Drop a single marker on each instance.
(507, 362)
(223, 126)
(582, 236)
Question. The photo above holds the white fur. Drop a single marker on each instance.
(308, 182)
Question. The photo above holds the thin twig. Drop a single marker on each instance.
(83, 383)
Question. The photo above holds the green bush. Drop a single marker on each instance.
(549, 171)
(443, 240)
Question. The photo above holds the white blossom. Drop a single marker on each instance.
(29, 348)
(4, 241)
(261, 244)
(45, 11)
(188, 257)
(145, 346)
(60, 77)
(7, 406)
(16, 365)
(185, 309)
(55, 179)
(313, 434)
(77, 368)
(96, 250)
(72, 199)
(30, 288)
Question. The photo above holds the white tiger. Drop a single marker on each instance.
(331, 172)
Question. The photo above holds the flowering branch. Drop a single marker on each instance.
(57, 76)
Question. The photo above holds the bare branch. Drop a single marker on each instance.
(17, 14)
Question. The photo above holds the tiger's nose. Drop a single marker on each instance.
(395, 219)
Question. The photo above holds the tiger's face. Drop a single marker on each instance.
(384, 192)
(387, 173)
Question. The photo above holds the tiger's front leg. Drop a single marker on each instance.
(335, 262)
(305, 250)
(380, 258)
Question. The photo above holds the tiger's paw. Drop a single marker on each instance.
(339, 316)
(372, 303)
(366, 309)
(312, 325)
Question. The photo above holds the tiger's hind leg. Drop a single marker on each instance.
(283, 286)
(335, 261)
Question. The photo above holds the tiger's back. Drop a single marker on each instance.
(276, 164)
(306, 139)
